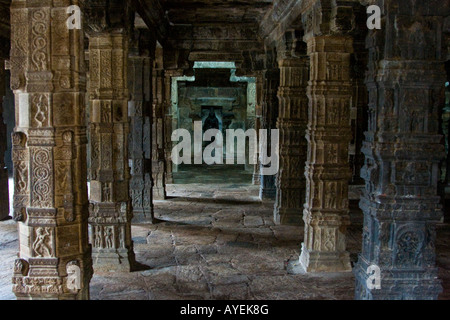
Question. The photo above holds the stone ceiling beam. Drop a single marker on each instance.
(280, 18)
(152, 12)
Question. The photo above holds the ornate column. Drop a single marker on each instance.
(292, 122)
(403, 149)
(329, 133)
(49, 153)
(358, 111)
(158, 140)
(258, 114)
(110, 202)
(4, 194)
(168, 122)
(268, 122)
(140, 112)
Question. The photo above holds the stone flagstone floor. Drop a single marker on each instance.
(217, 242)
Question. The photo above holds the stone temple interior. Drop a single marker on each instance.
(94, 205)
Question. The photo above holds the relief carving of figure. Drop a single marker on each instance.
(98, 236)
(106, 193)
(330, 198)
(40, 245)
(109, 238)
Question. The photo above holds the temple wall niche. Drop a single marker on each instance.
(195, 100)
(229, 104)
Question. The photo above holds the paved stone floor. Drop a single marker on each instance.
(215, 174)
(217, 243)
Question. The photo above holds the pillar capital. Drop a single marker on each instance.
(103, 16)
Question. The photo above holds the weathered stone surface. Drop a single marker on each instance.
(292, 122)
(4, 195)
(110, 210)
(327, 169)
(268, 122)
(222, 241)
(403, 150)
(140, 111)
(158, 133)
(49, 154)
(227, 273)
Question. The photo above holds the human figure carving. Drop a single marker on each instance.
(98, 239)
(109, 238)
(331, 197)
(40, 245)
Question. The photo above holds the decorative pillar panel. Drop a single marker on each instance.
(4, 194)
(327, 170)
(268, 122)
(403, 150)
(140, 111)
(158, 139)
(110, 210)
(49, 153)
(292, 123)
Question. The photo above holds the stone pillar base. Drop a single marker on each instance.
(143, 215)
(65, 296)
(169, 178)
(39, 279)
(288, 217)
(319, 261)
(256, 179)
(159, 194)
(397, 284)
(111, 237)
(113, 261)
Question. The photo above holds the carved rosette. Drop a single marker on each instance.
(49, 152)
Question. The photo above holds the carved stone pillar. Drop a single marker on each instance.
(403, 149)
(158, 140)
(110, 211)
(292, 122)
(4, 194)
(358, 111)
(49, 153)
(258, 114)
(168, 123)
(327, 170)
(268, 122)
(140, 111)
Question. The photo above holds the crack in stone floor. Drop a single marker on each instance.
(222, 247)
